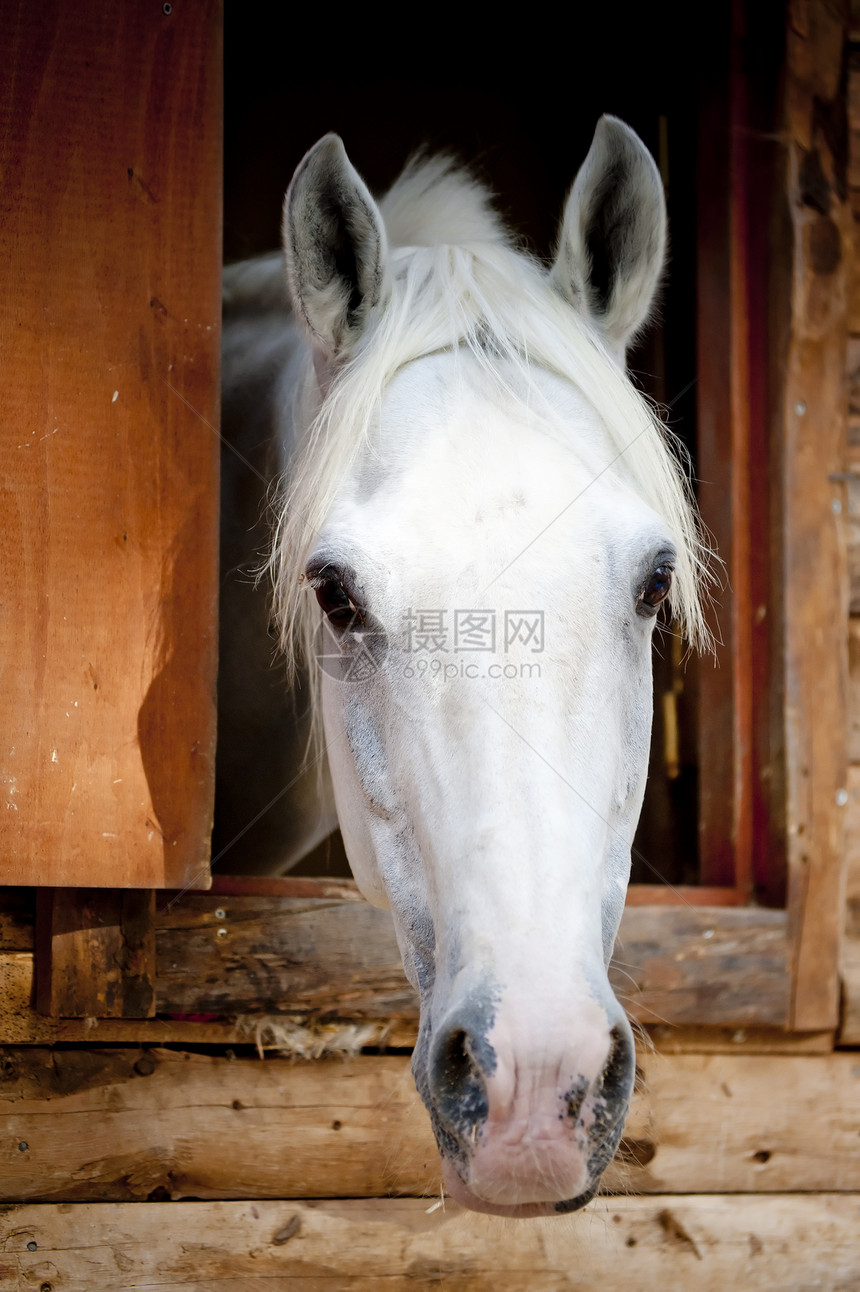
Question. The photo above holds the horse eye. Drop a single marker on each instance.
(338, 608)
(656, 589)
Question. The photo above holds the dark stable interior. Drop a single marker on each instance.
(519, 106)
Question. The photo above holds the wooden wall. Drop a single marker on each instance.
(744, 1169)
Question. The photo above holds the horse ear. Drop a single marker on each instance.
(335, 247)
(612, 248)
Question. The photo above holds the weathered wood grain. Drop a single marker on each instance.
(854, 121)
(742, 287)
(852, 542)
(727, 965)
(17, 919)
(708, 1243)
(853, 714)
(332, 957)
(95, 952)
(122, 1125)
(849, 962)
(20, 1024)
(110, 247)
(854, 197)
(814, 430)
(335, 956)
(852, 855)
(722, 965)
(723, 454)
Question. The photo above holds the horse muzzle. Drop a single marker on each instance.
(528, 1131)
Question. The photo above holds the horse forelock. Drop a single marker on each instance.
(436, 201)
(458, 280)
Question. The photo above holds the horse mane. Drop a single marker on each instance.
(459, 281)
(438, 202)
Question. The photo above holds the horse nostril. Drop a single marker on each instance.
(616, 1080)
(613, 1085)
(458, 1085)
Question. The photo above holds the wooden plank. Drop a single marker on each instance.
(123, 1124)
(311, 886)
(331, 957)
(854, 118)
(110, 247)
(95, 953)
(852, 854)
(20, 1024)
(691, 1039)
(854, 684)
(727, 965)
(337, 957)
(742, 273)
(849, 962)
(711, 1243)
(849, 965)
(852, 543)
(684, 895)
(854, 268)
(815, 580)
(680, 964)
(723, 797)
(17, 918)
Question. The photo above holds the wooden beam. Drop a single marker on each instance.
(20, 1024)
(326, 953)
(95, 953)
(339, 958)
(815, 579)
(741, 277)
(110, 241)
(121, 1125)
(849, 962)
(723, 793)
(790, 1242)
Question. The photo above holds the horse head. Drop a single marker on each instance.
(482, 520)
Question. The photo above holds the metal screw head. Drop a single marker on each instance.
(167, 9)
(220, 914)
(841, 798)
(800, 408)
(31, 1247)
(222, 933)
(23, 1146)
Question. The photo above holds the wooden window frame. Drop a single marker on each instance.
(774, 243)
(772, 422)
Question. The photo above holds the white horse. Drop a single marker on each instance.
(480, 522)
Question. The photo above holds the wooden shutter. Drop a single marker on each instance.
(110, 241)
